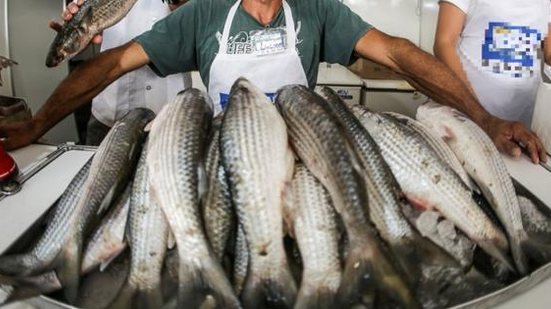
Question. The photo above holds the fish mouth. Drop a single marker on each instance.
(54, 59)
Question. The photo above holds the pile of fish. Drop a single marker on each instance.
(305, 203)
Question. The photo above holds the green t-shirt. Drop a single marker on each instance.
(187, 39)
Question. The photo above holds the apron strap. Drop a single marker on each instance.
(222, 49)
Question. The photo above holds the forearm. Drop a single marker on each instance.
(80, 87)
(423, 71)
(445, 52)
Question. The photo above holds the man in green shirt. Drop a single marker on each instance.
(260, 43)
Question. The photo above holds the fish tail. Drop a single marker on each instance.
(204, 287)
(518, 245)
(498, 252)
(277, 291)
(365, 270)
(68, 269)
(16, 288)
(319, 298)
(20, 265)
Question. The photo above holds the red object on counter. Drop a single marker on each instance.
(8, 167)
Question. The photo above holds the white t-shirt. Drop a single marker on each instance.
(140, 88)
(500, 50)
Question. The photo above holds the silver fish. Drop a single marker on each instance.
(99, 288)
(318, 139)
(482, 160)
(218, 213)
(439, 146)
(429, 183)
(259, 163)
(425, 264)
(111, 169)
(42, 255)
(92, 18)
(176, 147)
(314, 226)
(13, 289)
(147, 235)
(108, 241)
(241, 261)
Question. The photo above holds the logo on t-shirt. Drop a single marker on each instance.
(511, 50)
(241, 43)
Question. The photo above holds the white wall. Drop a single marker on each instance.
(30, 38)
(411, 19)
(5, 89)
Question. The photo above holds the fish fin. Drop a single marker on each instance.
(107, 201)
(204, 286)
(68, 269)
(498, 253)
(103, 265)
(171, 241)
(365, 270)
(277, 291)
(320, 298)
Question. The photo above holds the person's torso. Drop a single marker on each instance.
(142, 87)
(500, 49)
(243, 28)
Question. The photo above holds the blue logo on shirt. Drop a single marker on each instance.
(510, 49)
(224, 98)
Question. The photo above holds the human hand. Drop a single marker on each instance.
(67, 15)
(17, 134)
(510, 136)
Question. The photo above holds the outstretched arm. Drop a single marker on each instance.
(435, 79)
(75, 90)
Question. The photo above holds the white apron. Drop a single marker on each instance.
(505, 83)
(267, 72)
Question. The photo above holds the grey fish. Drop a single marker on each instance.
(218, 213)
(13, 289)
(429, 183)
(108, 241)
(99, 288)
(241, 261)
(110, 171)
(259, 163)
(318, 139)
(314, 226)
(484, 164)
(42, 256)
(147, 235)
(92, 18)
(176, 147)
(439, 146)
(427, 266)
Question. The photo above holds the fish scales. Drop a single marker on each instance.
(429, 183)
(315, 229)
(147, 237)
(318, 139)
(50, 243)
(108, 240)
(438, 145)
(92, 17)
(257, 158)
(176, 147)
(218, 213)
(483, 162)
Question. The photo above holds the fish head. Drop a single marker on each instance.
(67, 44)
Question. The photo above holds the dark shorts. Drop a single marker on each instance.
(95, 132)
